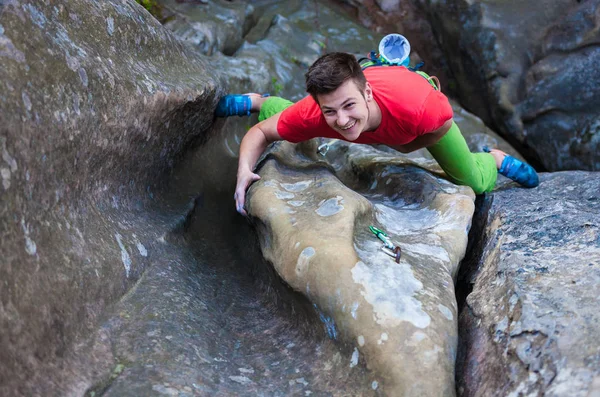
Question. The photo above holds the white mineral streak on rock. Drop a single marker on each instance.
(168, 391)
(355, 306)
(446, 312)
(241, 379)
(142, 249)
(455, 217)
(5, 172)
(330, 206)
(430, 251)
(354, 359)
(382, 338)
(430, 356)
(12, 163)
(296, 187)
(361, 340)
(26, 100)
(304, 261)
(283, 195)
(246, 370)
(124, 255)
(416, 338)
(406, 221)
(302, 381)
(569, 379)
(110, 25)
(390, 290)
(296, 203)
(374, 385)
(513, 301)
(30, 246)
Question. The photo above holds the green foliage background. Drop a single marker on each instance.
(152, 7)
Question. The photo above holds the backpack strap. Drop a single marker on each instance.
(434, 81)
(373, 59)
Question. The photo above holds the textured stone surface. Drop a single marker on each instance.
(209, 27)
(531, 323)
(97, 100)
(314, 229)
(530, 73)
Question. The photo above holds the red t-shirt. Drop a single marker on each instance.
(409, 107)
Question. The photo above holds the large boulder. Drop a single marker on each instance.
(97, 101)
(530, 326)
(314, 228)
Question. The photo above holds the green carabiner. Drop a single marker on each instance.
(382, 236)
(377, 232)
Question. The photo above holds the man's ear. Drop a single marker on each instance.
(368, 91)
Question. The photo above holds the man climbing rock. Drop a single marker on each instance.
(393, 106)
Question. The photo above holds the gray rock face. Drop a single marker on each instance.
(531, 323)
(97, 101)
(530, 73)
(209, 27)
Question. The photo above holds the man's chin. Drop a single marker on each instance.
(351, 136)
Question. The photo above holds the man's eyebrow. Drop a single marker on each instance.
(342, 105)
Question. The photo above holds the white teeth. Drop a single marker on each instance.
(350, 126)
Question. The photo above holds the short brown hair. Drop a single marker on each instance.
(332, 70)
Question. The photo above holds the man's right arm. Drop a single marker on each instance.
(253, 145)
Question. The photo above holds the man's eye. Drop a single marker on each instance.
(328, 112)
(349, 105)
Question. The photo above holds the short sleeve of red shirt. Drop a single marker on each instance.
(436, 111)
(302, 121)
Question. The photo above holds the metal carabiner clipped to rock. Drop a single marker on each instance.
(324, 147)
(395, 253)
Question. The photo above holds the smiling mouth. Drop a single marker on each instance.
(348, 126)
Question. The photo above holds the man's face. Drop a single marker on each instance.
(346, 110)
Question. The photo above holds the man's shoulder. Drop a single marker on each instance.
(304, 111)
(398, 86)
(301, 121)
(391, 76)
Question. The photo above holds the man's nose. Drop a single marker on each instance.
(342, 119)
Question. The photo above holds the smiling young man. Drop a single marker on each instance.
(382, 105)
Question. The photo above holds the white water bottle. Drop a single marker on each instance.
(395, 49)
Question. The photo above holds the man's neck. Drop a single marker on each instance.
(374, 115)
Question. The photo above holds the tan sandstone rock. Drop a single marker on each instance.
(315, 231)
